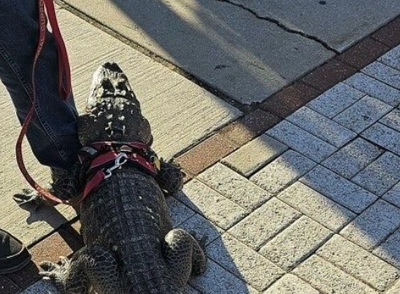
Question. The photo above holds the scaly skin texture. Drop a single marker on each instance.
(130, 246)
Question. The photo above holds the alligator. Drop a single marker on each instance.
(130, 245)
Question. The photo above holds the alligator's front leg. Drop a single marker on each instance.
(170, 177)
(184, 256)
(90, 267)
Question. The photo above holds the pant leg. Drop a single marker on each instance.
(52, 133)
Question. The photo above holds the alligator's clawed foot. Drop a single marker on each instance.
(55, 272)
(30, 199)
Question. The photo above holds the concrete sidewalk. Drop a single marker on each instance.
(298, 195)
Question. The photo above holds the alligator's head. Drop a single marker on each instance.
(112, 111)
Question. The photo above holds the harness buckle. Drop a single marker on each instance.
(118, 162)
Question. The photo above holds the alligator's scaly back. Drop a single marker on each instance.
(130, 244)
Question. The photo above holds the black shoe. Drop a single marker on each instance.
(13, 255)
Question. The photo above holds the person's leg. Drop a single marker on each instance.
(52, 134)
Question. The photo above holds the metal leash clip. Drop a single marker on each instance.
(119, 161)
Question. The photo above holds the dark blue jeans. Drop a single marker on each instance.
(52, 134)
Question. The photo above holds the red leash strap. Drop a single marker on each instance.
(64, 85)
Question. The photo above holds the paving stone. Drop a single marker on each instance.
(338, 189)
(384, 137)
(211, 204)
(264, 223)
(244, 262)
(392, 119)
(178, 211)
(290, 284)
(362, 114)
(380, 175)
(254, 155)
(375, 224)
(390, 249)
(202, 227)
(282, 172)
(26, 276)
(190, 290)
(318, 207)
(359, 263)
(7, 286)
(374, 88)
(392, 58)
(383, 73)
(234, 187)
(321, 127)
(393, 195)
(301, 141)
(216, 279)
(389, 34)
(329, 279)
(41, 287)
(395, 289)
(352, 158)
(295, 243)
(335, 100)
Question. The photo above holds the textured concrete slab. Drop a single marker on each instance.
(395, 289)
(383, 136)
(380, 175)
(244, 262)
(390, 249)
(282, 172)
(352, 158)
(41, 287)
(359, 263)
(338, 189)
(254, 155)
(326, 277)
(392, 120)
(393, 196)
(322, 127)
(362, 114)
(235, 187)
(351, 21)
(295, 243)
(301, 141)
(226, 46)
(318, 207)
(335, 100)
(392, 58)
(178, 211)
(374, 88)
(188, 114)
(264, 223)
(290, 284)
(374, 225)
(383, 73)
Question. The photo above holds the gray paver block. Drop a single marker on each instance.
(335, 100)
(392, 119)
(330, 279)
(359, 263)
(321, 126)
(244, 262)
(201, 227)
(374, 88)
(190, 290)
(390, 249)
(380, 175)
(211, 204)
(282, 172)
(375, 224)
(301, 141)
(383, 73)
(254, 155)
(264, 223)
(362, 114)
(41, 287)
(295, 243)
(290, 284)
(395, 289)
(178, 211)
(392, 58)
(338, 189)
(216, 279)
(384, 137)
(233, 186)
(318, 207)
(393, 195)
(352, 158)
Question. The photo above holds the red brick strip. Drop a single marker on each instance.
(389, 34)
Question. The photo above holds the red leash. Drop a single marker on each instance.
(64, 85)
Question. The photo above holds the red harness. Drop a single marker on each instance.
(105, 157)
